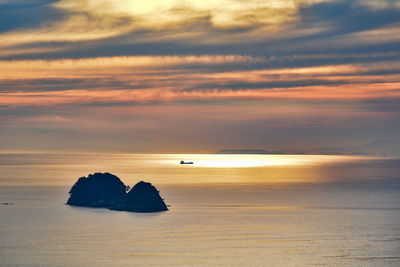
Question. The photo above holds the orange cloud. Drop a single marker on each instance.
(147, 79)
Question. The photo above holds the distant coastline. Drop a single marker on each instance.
(243, 151)
(377, 147)
(286, 152)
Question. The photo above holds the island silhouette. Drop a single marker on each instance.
(105, 190)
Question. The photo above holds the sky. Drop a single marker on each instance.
(187, 76)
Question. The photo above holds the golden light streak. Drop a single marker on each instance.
(154, 65)
(343, 92)
(245, 161)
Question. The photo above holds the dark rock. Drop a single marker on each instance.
(144, 197)
(98, 190)
(108, 191)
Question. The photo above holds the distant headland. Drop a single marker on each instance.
(377, 147)
(323, 151)
(105, 190)
(242, 151)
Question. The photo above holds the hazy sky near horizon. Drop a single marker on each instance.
(197, 76)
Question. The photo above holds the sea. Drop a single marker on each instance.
(224, 210)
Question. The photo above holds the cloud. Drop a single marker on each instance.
(80, 29)
(19, 14)
(218, 72)
(340, 17)
(171, 79)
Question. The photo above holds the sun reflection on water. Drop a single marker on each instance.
(246, 161)
(41, 169)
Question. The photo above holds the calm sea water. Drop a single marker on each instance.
(226, 210)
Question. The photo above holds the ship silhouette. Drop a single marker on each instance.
(187, 162)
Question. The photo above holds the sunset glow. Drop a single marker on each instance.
(112, 76)
(233, 133)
